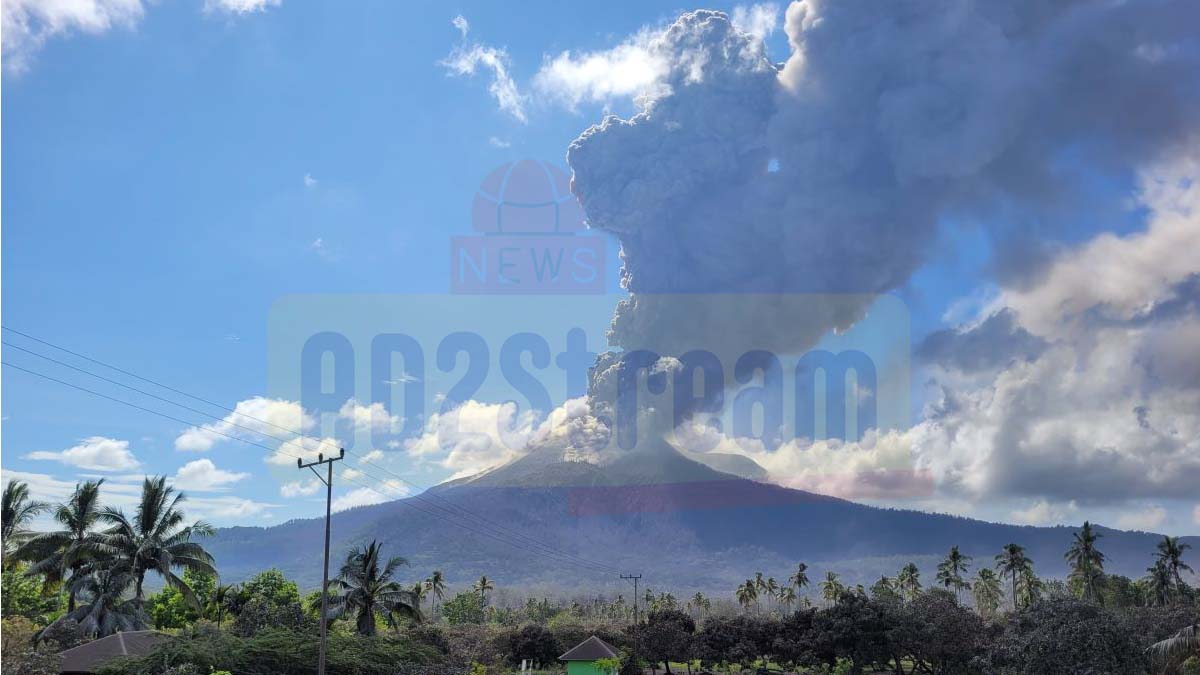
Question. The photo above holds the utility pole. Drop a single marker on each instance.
(328, 481)
(634, 578)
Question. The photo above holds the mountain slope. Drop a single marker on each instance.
(682, 524)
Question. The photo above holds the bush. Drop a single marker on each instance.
(260, 614)
(275, 652)
(463, 608)
(19, 656)
(1068, 637)
(528, 642)
(25, 596)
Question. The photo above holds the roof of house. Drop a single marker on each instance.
(590, 649)
(86, 658)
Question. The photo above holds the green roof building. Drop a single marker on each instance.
(582, 659)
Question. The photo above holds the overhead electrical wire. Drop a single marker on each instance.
(443, 508)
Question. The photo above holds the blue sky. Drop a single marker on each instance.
(171, 177)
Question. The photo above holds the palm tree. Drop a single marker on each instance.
(367, 589)
(1179, 647)
(156, 540)
(105, 606)
(788, 597)
(1030, 588)
(436, 585)
(950, 571)
(18, 510)
(1170, 554)
(63, 554)
(884, 589)
(1158, 583)
(832, 588)
(987, 592)
(1087, 562)
(223, 595)
(908, 581)
(746, 593)
(800, 578)
(483, 586)
(1013, 562)
(772, 590)
(418, 591)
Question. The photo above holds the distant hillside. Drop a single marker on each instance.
(683, 525)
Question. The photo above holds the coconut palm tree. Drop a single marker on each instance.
(18, 510)
(885, 589)
(156, 540)
(772, 591)
(436, 585)
(1179, 647)
(418, 591)
(105, 606)
(63, 554)
(746, 593)
(908, 581)
(1030, 588)
(799, 579)
(832, 588)
(1013, 562)
(483, 586)
(950, 571)
(365, 586)
(1087, 562)
(1158, 583)
(1170, 554)
(988, 595)
(788, 597)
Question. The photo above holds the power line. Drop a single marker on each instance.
(425, 497)
(403, 502)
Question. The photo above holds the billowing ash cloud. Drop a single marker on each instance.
(829, 173)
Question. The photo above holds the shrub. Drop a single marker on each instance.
(260, 614)
(1067, 637)
(19, 656)
(528, 642)
(275, 652)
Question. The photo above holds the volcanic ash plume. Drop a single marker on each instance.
(826, 176)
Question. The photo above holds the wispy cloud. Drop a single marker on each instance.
(469, 57)
(239, 6)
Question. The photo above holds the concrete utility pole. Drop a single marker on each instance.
(328, 481)
(634, 578)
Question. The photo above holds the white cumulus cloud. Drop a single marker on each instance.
(252, 418)
(96, 453)
(203, 475)
(28, 24)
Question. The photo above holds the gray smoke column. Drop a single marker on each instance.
(829, 173)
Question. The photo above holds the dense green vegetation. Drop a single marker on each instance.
(984, 617)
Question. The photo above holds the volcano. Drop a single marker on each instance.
(683, 524)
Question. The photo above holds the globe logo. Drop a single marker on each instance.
(530, 236)
(526, 197)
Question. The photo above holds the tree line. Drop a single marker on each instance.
(85, 579)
